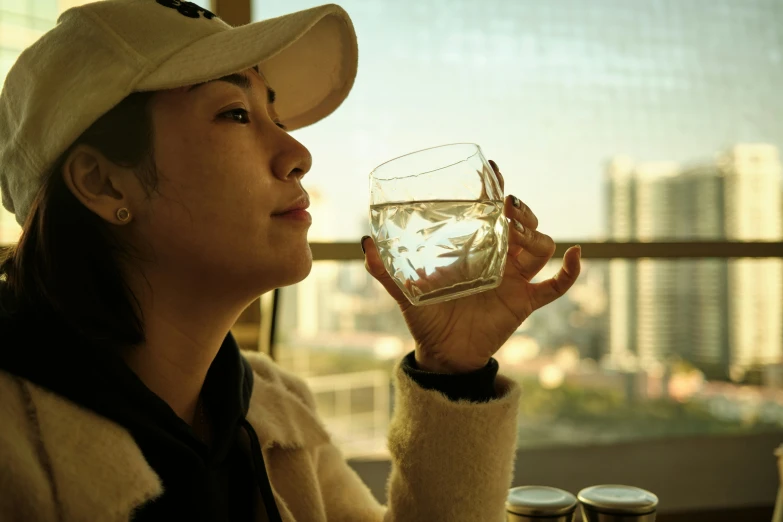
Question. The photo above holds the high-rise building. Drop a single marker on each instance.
(645, 294)
(705, 338)
(622, 273)
(719, 314)
(752, 202)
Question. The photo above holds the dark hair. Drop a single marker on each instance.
(66, 262)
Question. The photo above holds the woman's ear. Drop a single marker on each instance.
(100, 185)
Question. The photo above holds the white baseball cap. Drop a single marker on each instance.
(99, 53)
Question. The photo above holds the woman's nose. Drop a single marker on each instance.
(293, 158)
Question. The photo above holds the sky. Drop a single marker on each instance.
(550, 90)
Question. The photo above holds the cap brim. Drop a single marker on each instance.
(309, 57)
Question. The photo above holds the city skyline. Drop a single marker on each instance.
(723, 315)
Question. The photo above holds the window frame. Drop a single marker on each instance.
(343, 251)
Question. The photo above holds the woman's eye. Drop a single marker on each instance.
(238, 115)
(279, 124)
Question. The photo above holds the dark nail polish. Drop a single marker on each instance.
(364, 238)
(515, 201)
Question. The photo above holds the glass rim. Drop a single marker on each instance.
(373, 174)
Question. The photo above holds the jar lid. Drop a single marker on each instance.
(540, 501)
(617, 499)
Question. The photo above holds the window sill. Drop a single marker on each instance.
(695, 475)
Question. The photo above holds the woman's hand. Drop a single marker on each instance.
(460, 336)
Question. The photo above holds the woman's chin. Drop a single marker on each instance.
(294, 270)
(302, 274)
(265, 274)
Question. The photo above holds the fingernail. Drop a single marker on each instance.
(515, 201)
(518, 226)
(364, 238)
(579, 251)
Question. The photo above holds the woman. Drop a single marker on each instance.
(147, 156)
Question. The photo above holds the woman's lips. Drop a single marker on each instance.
(296, 215)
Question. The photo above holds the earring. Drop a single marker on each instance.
(123, 214)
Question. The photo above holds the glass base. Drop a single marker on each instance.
(455, 292)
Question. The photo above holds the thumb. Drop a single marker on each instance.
(374, 265)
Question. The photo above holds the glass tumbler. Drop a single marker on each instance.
(437, 220)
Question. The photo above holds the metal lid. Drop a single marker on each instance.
(540, 501)
(616, 499)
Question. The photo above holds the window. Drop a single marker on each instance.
(650, 132)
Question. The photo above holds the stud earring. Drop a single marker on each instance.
(123, 214)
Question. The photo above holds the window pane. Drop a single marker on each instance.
(554, 91)
(636, 350)
(45, 10)
(206, 4)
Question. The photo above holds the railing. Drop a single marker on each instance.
(607, 250)
(360, 432)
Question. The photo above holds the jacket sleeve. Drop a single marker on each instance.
(451, 460)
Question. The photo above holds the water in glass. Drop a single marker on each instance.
(440, 250)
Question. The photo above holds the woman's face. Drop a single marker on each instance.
(229, 177)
